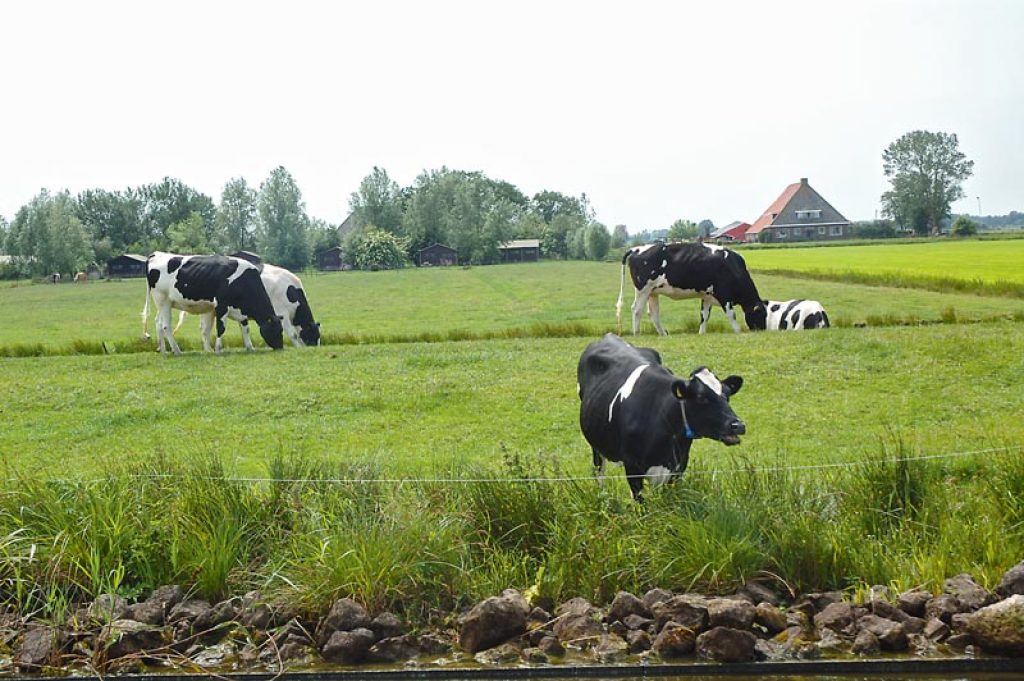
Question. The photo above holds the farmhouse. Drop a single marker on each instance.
(437, 255)
(332, 260)
(127, 265)
(799, 214)
(520, 250)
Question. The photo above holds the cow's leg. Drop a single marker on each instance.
(730, 312)
(639, 303)
(705, 315)
(598, 467)
(164, 329)
(220, 313)
(246, 340)
(205, 327)
(635, 478)
(654, 310)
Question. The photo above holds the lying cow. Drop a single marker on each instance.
(714, 274)
(633, 410)
(289, 301)
(201, 284)
(795, 314)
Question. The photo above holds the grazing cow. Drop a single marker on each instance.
(54, 278)
(795, 314)
(81, 277)
(690, 270)
(227, 287)
(635, 411)
(289, 301)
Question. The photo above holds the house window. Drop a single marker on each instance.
(821, 230)
(837, 230)
(782, 232)
(808, 214)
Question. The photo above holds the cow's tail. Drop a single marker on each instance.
(622, 285)
(181, 320)
(145, 314)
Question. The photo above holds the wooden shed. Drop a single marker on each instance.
(332, 260)
(437, 255)
(520, 250)
(127, 265)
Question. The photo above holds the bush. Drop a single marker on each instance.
(964, 226)
(374, 249)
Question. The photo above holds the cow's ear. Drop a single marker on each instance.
(679, 389)
(732, 384)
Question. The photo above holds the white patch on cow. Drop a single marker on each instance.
(714, 248)
(661, 286)
(243, 265)
(664, 264)
(658, 475)
(626, 390)
(637, 250)
(578, 393)
(710, 380)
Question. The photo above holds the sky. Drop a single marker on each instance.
(656, 110)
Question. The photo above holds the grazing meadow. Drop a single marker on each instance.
(429, 452)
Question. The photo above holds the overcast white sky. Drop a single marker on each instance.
(657, 111)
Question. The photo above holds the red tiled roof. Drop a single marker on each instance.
(774, 209)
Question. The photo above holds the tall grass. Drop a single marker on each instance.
(303, 536)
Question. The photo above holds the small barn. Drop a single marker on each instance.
(332, 260)
(734, 231)
(520, 250)
(254, 258)
(127, 265)
(437, 255)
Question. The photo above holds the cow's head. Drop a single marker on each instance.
(756, 316)
(272, 332)
(309, 334)
(706, 410)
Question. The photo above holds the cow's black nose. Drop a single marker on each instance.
(737, 428)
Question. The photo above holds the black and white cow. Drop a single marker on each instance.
(200, 284)
(289, 301)
(690, 270)
(633, 410)
(794, 315)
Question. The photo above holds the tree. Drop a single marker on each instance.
(236, 216)
(370, 248)
(682, 230)
(189, 235)
(620, 237)
(171, 201)
(964, 226)
(549, 204)
(323, 235)
(113, 220)
(597, 241)
(47, 236)
(3, 234)
(705, 227)
(378, 202)
(926, 170)
(283, 224)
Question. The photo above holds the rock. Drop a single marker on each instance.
(638, 622)
(1012, 583)
(655, 596)
(866, 643)
(888, 611)
(167, 597)
(38, 648)
(687, 610)
(538, 618)
(578, 623)
(722, 644)
(577, 606)
(820, 601)
(610, 649)
(534, 655)
(506, 653)
(433, 643)
(345, 615)
(891, 635)
(831, 642)
(878, 592)
(211, 619)
(936, 629)
(971, 595)
(770, 617)
(535, 635)
(108, 607)
(618, 628)
(126, 637)
(731, 613)
(999, 628)
(913, 602)
(493, 621)
(942, 607)
(146, 613)
(300, 653)
(959, 641)
(625, 604)
(348, 647)
(958, 622)
(256, 616)
(387, 625)
(394, 649)
(638, 641)
(839, 617)
(187, 611)
(215, 656)
(674, 640)
(913, 625)
(757, 592)
(551, 646)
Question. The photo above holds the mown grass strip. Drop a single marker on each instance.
(926, 282)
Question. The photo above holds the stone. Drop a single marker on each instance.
(108, 607)
(577, 606)
(492, 622)
(146, 612)
(959, 641)
(936, 629)
(731, 613)
(212, 619)
(831, 642)
(756, 592)
(687, 610)
(551, 646)
(534, 655)
(913, 625)
(770, 617)
(625, 604)
(345, 615)
(1012, 583)
(618, 628)
(888, 611)
(820, 601)
(187, 611)
(215, 656)
(912, 602)
(348, 647)
(999, 628)
(891, 635)
(394, 649)
(638, 641)
(506, 653)
(167, 596)
(387, 625)
(610, 649)
(256, 616)
(38, 648)
(971, 595)
(866, 643)
(433, 643)
(839, 617)
(126, 637)
(655, 596)
(538, 618)
(942, 607)
(573, 625)
(638, 622)
(674, 640)
(723, 644)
